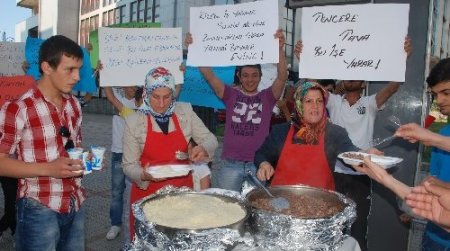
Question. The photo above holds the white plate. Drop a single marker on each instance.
(384, 161)
(168, 171)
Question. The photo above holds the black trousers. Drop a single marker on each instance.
(357, 188)
(9, 186)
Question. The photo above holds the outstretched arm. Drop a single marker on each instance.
(413, 133)
(431, 200)
(282, 74)
(380, 175)
(216, 84)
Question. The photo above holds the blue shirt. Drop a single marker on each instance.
(440, 168)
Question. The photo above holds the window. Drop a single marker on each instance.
(105, 18)
(111, 15)
(141, 9)
(149, 13)
(133, 12)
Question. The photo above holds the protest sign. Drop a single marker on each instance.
(197, 91)
(128, 54)
(93, 37)
(12, 55)
(32, 46)
(354, 42)
(238, 34)
(12, 88)
(87, 78)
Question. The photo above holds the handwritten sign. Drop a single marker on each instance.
(87, 80)
(12, 88)
(197, 91)
(12, 56)
(32, 46)
(354, 42)
(128, 54)
(93, 37)
(238, 34)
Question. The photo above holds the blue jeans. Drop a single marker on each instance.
(40, 228)
(117, 189)
(231, 174)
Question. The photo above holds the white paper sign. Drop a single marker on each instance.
(354, 42)
(12, 55)
(128, 54)
(238, 34)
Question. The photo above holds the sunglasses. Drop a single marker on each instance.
(64, 132)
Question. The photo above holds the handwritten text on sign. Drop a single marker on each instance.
(354, 42)
(234, 34)
(12, 56)
(12, 88)
(127, 54)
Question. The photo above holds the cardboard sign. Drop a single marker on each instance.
(240, 34)
(128, 54)
(354, 42)
(93, 37)
(12, 55)
(197, 91)
(12, 88)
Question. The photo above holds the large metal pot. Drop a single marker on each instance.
(274, 230)
(170, 231)
(151, 236)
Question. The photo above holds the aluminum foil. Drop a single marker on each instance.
(148, 237)
(282, 232)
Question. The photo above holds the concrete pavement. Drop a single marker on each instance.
(96, 130)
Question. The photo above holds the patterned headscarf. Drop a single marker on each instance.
(156, 78)
(309, 133)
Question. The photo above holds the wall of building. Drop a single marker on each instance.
(23, 27)
(48, 18)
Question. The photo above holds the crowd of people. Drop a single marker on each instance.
(151, 127)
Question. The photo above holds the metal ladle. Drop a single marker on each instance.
(279, 203)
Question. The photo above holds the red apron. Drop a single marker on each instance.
(303, 164)
(159, 149)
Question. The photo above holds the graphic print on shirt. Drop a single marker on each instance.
(361, 110)
(247, 116)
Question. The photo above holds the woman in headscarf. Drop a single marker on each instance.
(153, 136)
(304, 151)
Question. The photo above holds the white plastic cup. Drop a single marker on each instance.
(87, 163)
(97, 159)
(76, 153)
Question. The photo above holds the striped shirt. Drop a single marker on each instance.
(30, 127)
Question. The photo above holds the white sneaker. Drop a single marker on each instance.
(113, 233)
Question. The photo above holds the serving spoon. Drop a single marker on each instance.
(279, 203)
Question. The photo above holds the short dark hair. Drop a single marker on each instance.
(138, 93)
(439, 73)
(256, 66)
(327, 82)
(55, 47)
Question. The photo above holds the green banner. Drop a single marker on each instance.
(93, 37)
